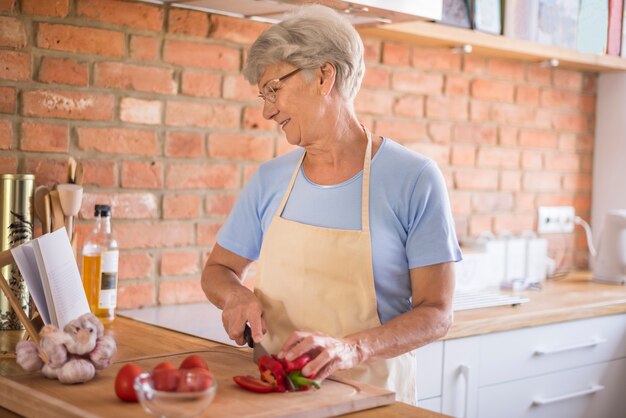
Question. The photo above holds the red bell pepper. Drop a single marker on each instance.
(253, 384)
(272, 372)
(279, 376)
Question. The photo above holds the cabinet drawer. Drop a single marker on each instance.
(532, 351)
(429, 370)
(589, 391)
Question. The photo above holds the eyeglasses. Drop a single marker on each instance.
(268, 93)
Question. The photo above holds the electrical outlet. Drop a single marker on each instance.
(555, 219)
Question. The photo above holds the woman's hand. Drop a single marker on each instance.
(329, 354)
(242, 306)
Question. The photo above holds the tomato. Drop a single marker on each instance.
(164, 365)
(124, 382)
(166, 379)
(194, 361)
(195, 381)
(253, 384)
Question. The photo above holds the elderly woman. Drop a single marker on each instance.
(352, 231)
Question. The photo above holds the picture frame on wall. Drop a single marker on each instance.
(456, 13)
(487, 16)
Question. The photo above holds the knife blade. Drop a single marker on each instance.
(259, 350)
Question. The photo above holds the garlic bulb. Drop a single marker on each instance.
(49, 372)
(52, 347)
(103, 353)
(28, 356)
(83, 331)
(77, 370)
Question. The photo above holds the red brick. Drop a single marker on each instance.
(134, 296)
(456, 86)
(181, 206)
(8, 165)
(188, 22)
(131, 14)
(180, 291)
(538, 139)
(8, 99)
(499, 91)
(498, 157)
(504, 68)
(219, 204)
(47, 170)
(45, 137)
(571, 122)
(507, 135)
(525, 201)
(134, 77)
(479, 111)
(396, 54)
(414, 82)
(202, 84)
(482, 179)
(463, 155)
(492, 202)
(440, 132)
(402, 131)
(63, 71)
(68, 105)
(153, 235)
(140, 111)
(560, 161)
(12, 32)
(480, 224)
(142, 174)
(250, 169)
(435, 59)
(6, 134)
(207, 232)
(376, 102)
(372, 49)
(237, 88)
(513, 114)
(144, 48)
(14, 65)
(8, 6)
(577, 183)
(590, 83)
(474, 64)
(184, 144)
(118, 141)
(568, 79)
(100, 173)
(587, 104)
(460, 203)
(253, 119)
(203, 55)
(439, 153)
(447, 108)
(560, 99)
(202, 176)
(511, 181)
(57, 8)
(539, 75)
(527, 95)
(178, 263)
(245, 147)
(236, 30)
(203, 115)
(376, 78)
(475, 134)
(81, 39)
(532, 160)
(123, 206)
(542, 181)
(135, 265)
(514, 223)
(410, 106)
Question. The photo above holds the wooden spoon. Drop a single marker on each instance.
(40, 209)
(71, 170)
(71, 198)
(58, 219)
(78, 177)
(47, 217)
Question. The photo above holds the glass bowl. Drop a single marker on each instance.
(172, 393)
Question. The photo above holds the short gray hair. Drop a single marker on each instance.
(308, 38)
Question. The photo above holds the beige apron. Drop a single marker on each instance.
(321, 279)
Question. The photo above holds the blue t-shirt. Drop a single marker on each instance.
(410, 219)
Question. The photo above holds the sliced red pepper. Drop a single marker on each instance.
(253, 384)
(296, 364)
(272, 372)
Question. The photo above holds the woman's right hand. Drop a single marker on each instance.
(241, 307)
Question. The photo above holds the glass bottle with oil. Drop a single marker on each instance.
(100, 265)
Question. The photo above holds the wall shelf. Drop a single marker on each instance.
(439, 35)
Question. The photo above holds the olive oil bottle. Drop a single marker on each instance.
(100, 265)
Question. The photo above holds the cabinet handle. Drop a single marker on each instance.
(465, 369)
(553, 350)
(588, 391)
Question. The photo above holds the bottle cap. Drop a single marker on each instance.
(103, 210)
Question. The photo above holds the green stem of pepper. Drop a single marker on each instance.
(299, 380)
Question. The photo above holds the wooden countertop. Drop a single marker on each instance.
(574, 297)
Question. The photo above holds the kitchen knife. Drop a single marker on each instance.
(259, 350)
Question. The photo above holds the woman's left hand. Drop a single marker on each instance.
(329, 354)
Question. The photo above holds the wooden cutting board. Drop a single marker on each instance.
(32, 394)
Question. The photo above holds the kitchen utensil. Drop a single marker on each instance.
(47, 221)
(71, 170)
(58, 218)
(608, 263)
(259, 350)
(40, 209)
(71, 197)
(78, 177)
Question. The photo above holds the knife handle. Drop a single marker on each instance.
(247, 334)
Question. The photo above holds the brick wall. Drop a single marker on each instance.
(151, 101)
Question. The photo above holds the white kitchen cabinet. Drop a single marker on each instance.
(573, 369)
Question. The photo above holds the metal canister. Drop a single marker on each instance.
(16, 228)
